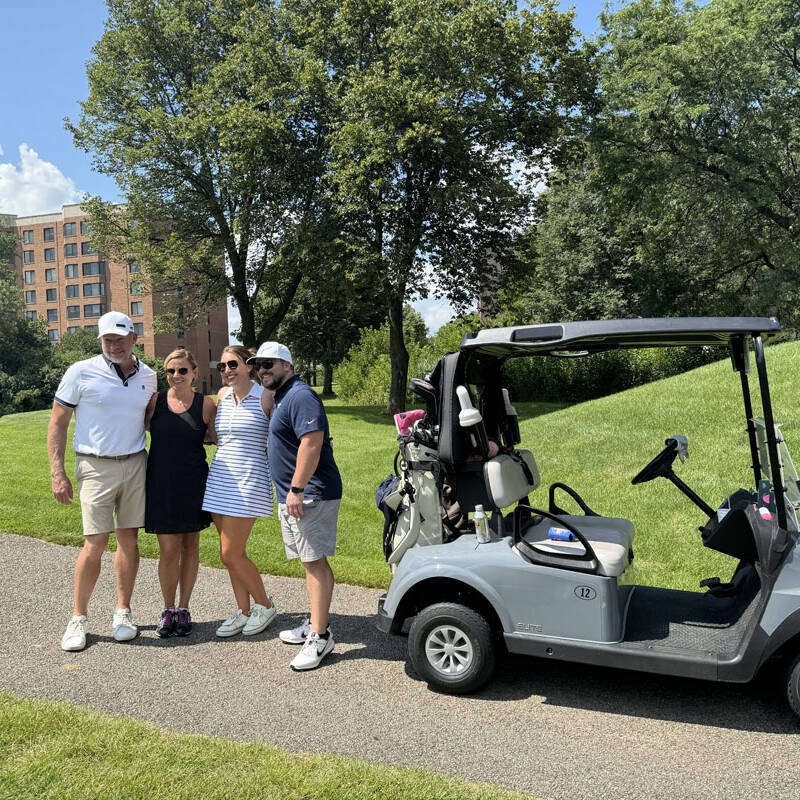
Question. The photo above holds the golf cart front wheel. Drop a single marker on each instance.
(451, 647)
(793, 685)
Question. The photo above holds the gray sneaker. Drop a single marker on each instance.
(124, 629)
(233, 625)
(296, 635)
(314, 650)
(74, 637)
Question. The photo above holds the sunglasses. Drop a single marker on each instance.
(263, 363)
(221, 365)
(179, 370)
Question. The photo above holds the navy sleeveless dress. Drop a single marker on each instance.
(176, 469)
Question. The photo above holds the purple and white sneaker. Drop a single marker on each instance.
(183, 625)
(166, 623)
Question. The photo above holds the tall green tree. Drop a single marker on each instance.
(438, 109)
(207, 121)
(24, 349)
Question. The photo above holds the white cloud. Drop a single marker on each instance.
(435, 311)
(34, 186)
(234, 321)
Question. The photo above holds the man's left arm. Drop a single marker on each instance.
(307, 460)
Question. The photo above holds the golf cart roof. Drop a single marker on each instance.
(612, 334)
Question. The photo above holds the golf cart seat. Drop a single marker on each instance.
(610, 540)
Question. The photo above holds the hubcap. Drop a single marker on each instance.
(449, 650)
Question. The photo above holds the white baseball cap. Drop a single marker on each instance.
(272, 350)
(114, 322)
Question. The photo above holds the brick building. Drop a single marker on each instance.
(69, 285)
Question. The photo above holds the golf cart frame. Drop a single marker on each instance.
(570, 598)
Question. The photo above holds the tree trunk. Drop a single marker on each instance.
(398, 355)
(327, 379)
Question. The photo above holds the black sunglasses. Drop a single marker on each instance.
(179, 370)
(263, 363)
(229, 364)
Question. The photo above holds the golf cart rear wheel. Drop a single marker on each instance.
(451, 647)
(793, 685)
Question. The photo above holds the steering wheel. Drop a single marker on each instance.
(660, 466)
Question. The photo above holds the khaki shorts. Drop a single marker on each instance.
(109, 488)
(313, 536)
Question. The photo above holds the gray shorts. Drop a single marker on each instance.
(313, 536)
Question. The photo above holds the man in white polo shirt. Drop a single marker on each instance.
(108, 394)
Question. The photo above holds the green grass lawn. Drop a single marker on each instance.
(595, 447)
(54, 751)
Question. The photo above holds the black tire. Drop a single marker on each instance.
(451, 647)
(793, 685)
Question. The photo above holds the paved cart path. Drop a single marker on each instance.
(557, 731)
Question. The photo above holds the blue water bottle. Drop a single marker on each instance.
(561, 535)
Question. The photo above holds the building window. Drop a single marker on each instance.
(136, 288)
(27, 237)
(49, 254)
(71, 271)
(90, 328)
(52, 335)
(27, 256)
(73, 290)
(134, 266)
(73, 328)
(94, 310)
(49, 234)
(85, 228)
(69, 229)
(30, 296)
(50, 274)
(73, 312)
(52, 295)
(52, 315)
(30, 315)
(87, 249)
(138, 328)
(94, 289)
(71, 249)
(30, 276)
(94, 268)
(136, 309)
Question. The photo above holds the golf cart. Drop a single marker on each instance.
(548, 583)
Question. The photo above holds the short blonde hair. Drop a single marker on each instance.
(181, 352)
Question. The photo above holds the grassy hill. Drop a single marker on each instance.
(595, 447)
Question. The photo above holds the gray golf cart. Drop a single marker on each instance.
(557, 585)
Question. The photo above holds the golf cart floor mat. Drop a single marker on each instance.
(667, 618)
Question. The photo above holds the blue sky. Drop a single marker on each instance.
(46, 45)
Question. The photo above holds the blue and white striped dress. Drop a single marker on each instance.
(239, 482)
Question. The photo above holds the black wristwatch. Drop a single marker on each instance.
(297, 489)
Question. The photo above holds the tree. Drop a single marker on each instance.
(328, 315)
(202, 114)
(437, 109)
(24, 348)
(698, 132)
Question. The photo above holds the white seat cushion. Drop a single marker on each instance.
(611, 539)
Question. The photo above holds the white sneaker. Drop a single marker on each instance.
(314, 650)
(260, 618)
(296, 635)
(233, 625)
(124, 629)
(74, 637)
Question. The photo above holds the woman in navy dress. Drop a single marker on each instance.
(239, 488)
(180, 421)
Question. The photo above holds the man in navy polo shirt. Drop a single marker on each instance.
(309, 490)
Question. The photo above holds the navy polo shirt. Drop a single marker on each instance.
(298, 410)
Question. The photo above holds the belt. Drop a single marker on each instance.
(112, 458)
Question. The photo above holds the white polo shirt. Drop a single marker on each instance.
(109, 412)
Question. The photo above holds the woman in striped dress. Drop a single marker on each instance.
(239, 487)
